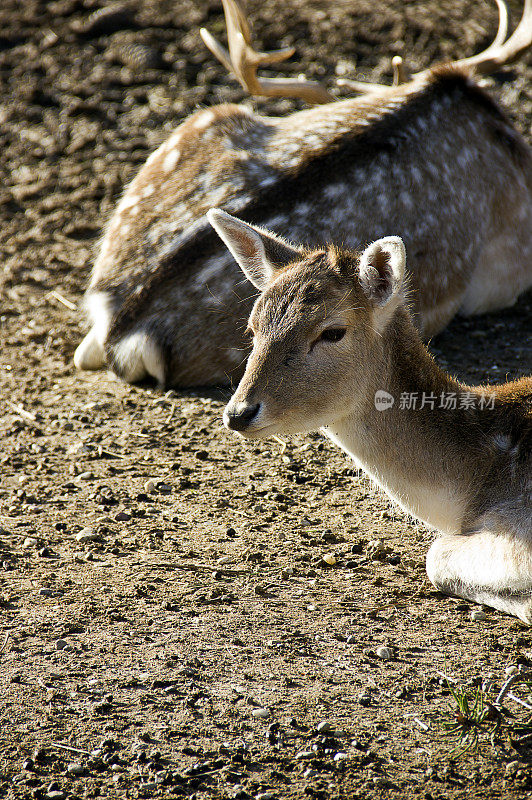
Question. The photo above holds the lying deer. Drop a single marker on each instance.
(434, 158)
(335, 348)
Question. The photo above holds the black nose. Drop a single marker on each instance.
(239, 415)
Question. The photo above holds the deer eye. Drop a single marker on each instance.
(332, 334)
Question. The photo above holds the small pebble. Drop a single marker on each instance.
(44, 592)
(84, 476)
(61, 644)
(478, 616)
(364, 698)
(340, 757)
(305, 754)
(75, 769)
(324, 727)
(265, 796)
(386, 653)
(329, 559)
(511, 670)
(86, 535)
(352, 639)
(260, 713)
(30, 542)
(375, 548)
(150, 486)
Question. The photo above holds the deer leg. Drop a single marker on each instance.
(485, 567)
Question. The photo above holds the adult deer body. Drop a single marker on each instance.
(434, 159)
(333, 335)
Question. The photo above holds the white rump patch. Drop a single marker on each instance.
(89, 354)
(170, 160)
(98, 305)
(137, 356)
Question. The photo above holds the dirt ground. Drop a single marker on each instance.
(166, 611)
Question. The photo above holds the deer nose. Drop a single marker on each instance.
(237, 416)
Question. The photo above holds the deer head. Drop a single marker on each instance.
(317, 328)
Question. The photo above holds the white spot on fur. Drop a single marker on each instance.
(170, 160)
(148, 190)
(124, 230)
(406, 200)
(502, 442)
(128, 201)
(214, 267)
(155, 155)
(203, 120)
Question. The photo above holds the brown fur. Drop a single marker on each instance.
(465, 471)
(431, 160)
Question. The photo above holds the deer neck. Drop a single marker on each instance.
(422, 456)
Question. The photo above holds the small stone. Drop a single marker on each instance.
(364, 698)
(55, 794)
(45, 592)
(30, 542)
(324, 727)
(86, 535)
(260, 713)
(478, 616)
(375, 549)
(352, 639)
(265, 796)
(305, 754)
(330, 559)
(61, 644)
(340, 757)
(75, 769)
(44, 552)
(84, 476)
(385, 653)
(511, 670)
(150, 486)
(29, 764)
(122, 516)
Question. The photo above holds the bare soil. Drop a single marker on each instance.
(194, 638)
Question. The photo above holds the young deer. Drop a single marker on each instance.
(434, 158)
(335, 348)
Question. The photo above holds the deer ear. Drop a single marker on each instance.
(259, 253)
(382, 268)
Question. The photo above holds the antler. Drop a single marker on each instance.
(244, 61)
(498, 53)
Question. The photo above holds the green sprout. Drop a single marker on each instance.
(477, 718)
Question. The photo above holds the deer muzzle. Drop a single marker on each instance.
(239, 415)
